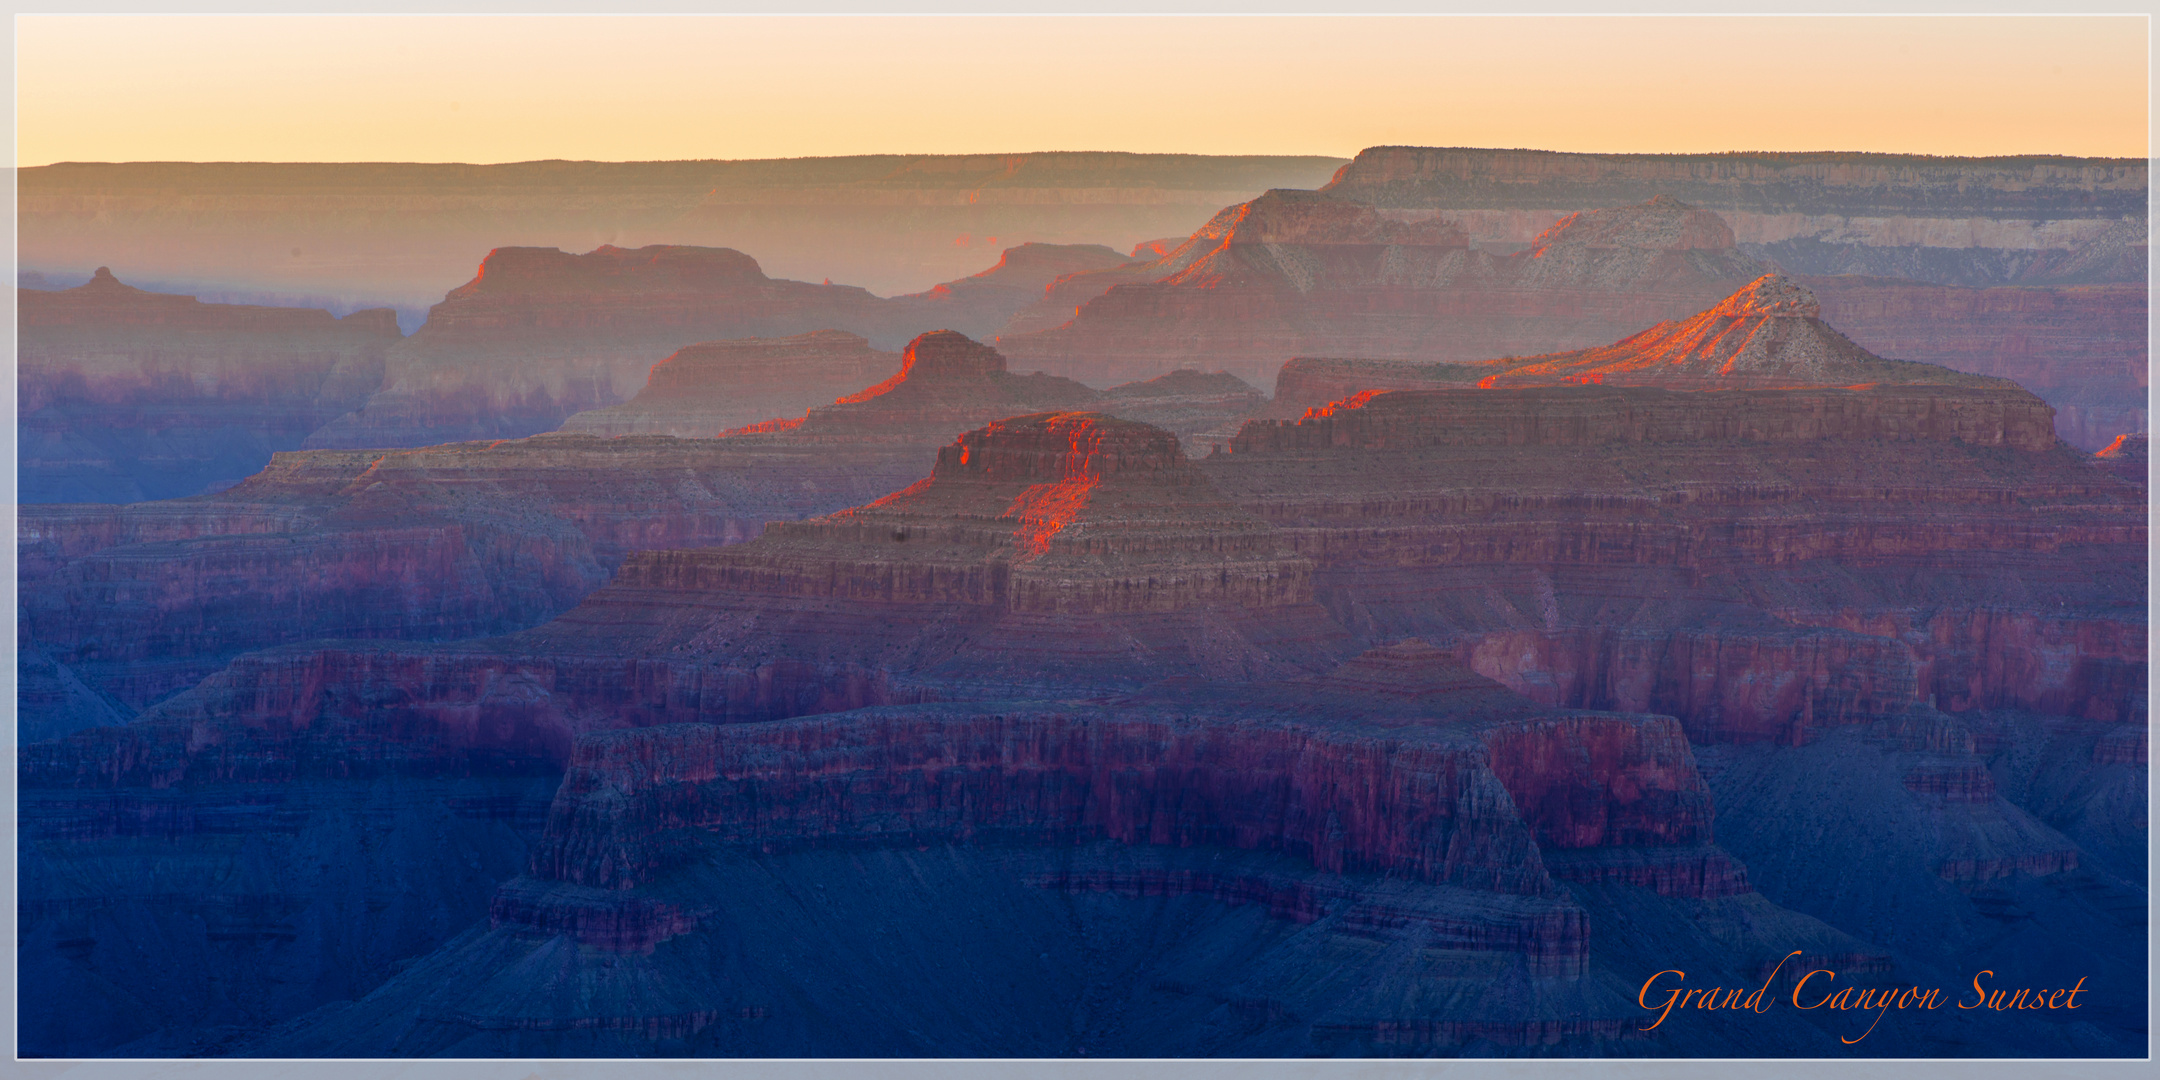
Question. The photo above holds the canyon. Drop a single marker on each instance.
(2029, 269)
(1449, 679)
(126, 395)
(1298, 273)
(1602, 591)
(539, 336)
(1972, 222)
(121, 606)
(1769, 334)
(702, 390)
(207, 392)
(2080, 364)
(755, 384)
(2032, 270)
(2081, 348)
(401, 234)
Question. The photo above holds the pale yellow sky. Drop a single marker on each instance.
(491, 89)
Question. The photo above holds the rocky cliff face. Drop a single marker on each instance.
(2081, 349)
(1572, 488)
(2030, 269)
(1053, 512)
(125, 395)
(1295, 273)
(1011, 539)
(1955, 221)
(1770, 333)
(1961, 862)
(127, 605)
(2128, 456)
(1398, 798)
(1376, 734)
(140, 601)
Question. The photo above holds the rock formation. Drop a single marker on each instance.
(2027, 268)
(946, 383)
(1201, 409)
(2082, 348)
(1297, 273)
(538, 335)
(1573, 498)
(1768, 334)
(403, 233)
(1048, 560)
(1418, 724)
(2129, 457)
(979, 305)
(705, 389)
(1075, 689)
(126, 395)
(1945, 220)
(140, 601)
(127, 605)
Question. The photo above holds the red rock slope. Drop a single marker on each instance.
(1770, 333)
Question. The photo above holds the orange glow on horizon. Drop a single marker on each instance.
(492, 89)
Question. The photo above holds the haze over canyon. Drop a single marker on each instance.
(1060, 605)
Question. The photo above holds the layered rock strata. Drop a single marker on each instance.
(1089, 948)
(125, 395)
(1818, 556)
(1769, 333)
(2030, 268)
(452, 541)
(140, 601)
(2081, 349)
(1298, 273)
(1948, 220)
(1074, 688)
(1957, 862)
(1397, 799)
(1073, 539)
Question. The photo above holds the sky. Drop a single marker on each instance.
(493, 89)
